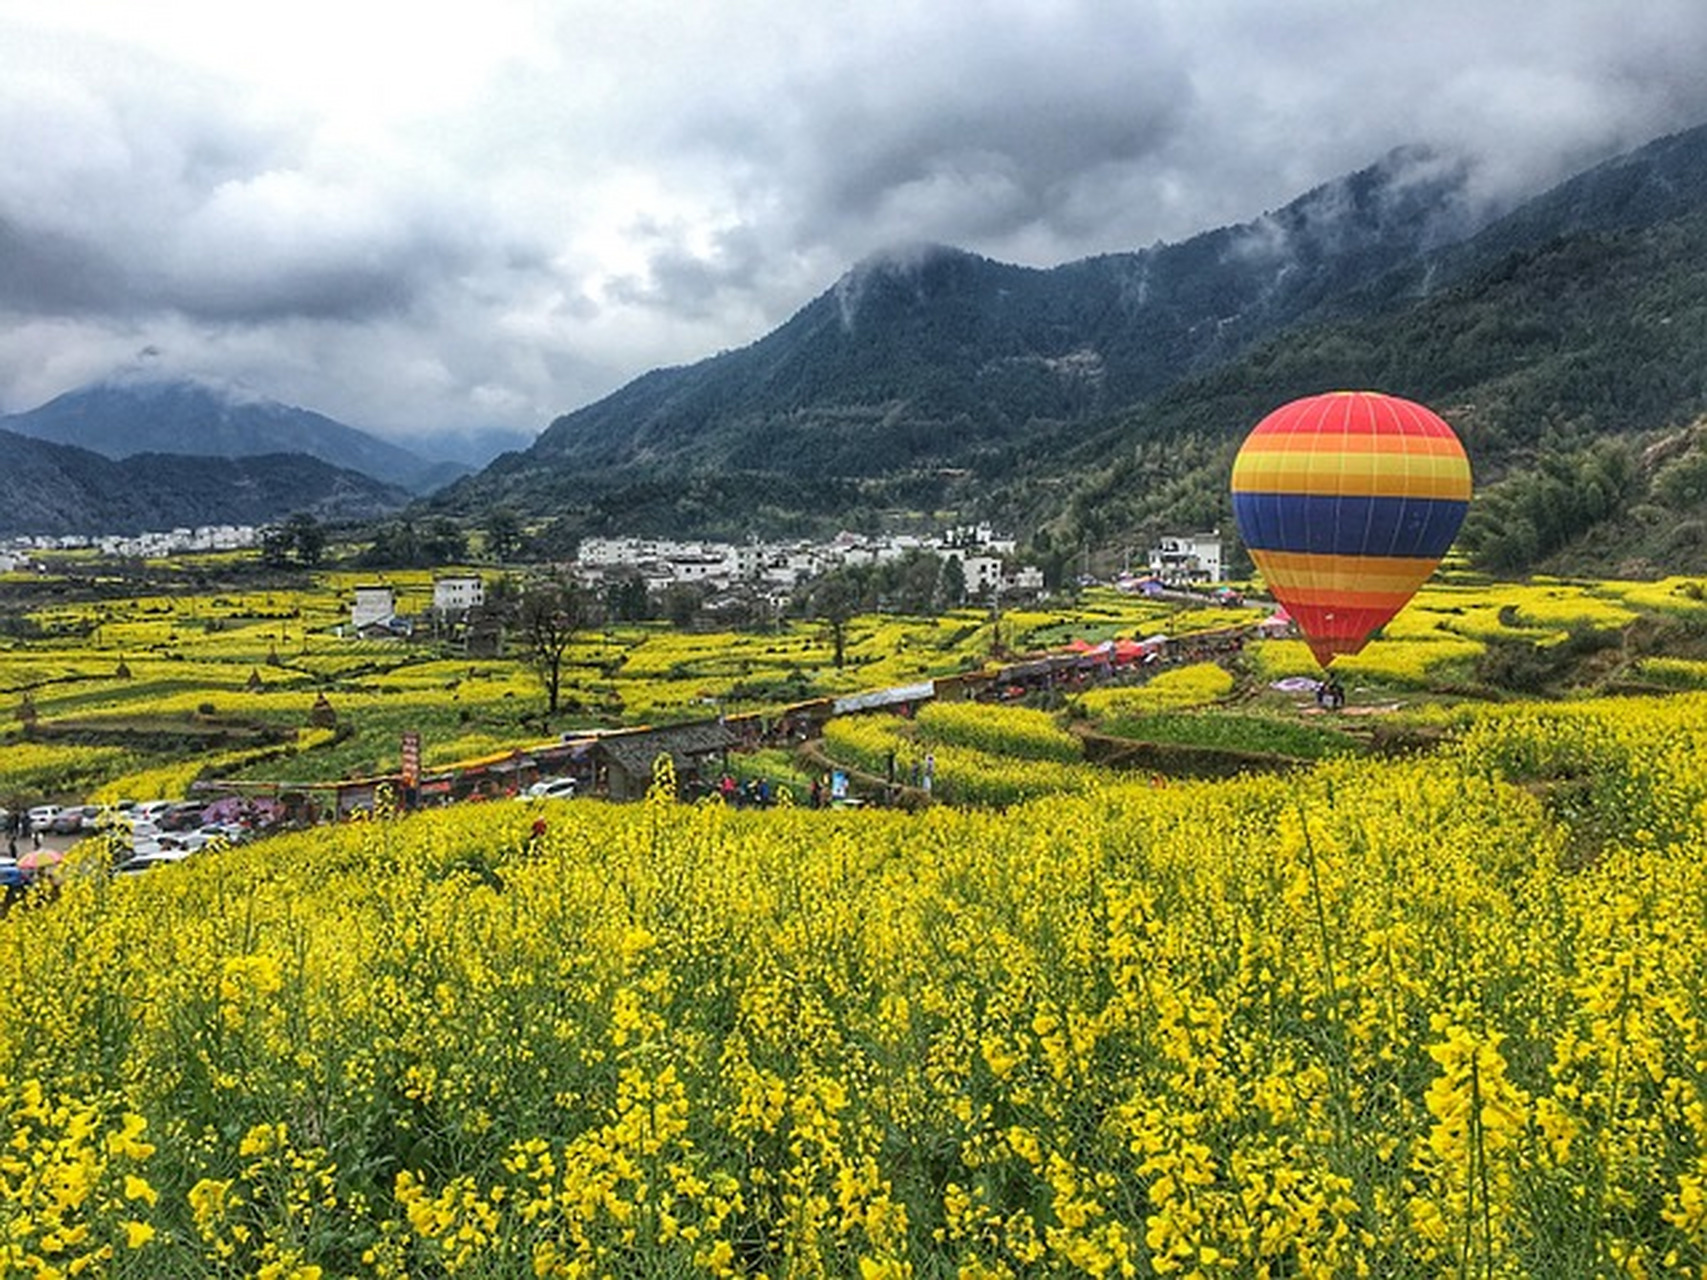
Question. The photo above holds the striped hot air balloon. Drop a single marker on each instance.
(1346, 502)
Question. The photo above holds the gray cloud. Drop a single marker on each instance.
(512, 212)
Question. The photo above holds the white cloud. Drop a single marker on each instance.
(426, 219)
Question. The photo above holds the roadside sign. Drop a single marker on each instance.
(411, 758)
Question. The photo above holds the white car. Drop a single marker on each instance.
(551, 789)
(156, 857)
(42, 815)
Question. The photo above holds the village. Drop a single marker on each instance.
(776, 572)
(19, 553)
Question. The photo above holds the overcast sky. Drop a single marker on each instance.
(422, 218)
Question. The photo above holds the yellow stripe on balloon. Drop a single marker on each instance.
(1352, 474)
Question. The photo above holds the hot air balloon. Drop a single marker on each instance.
(1347, 502)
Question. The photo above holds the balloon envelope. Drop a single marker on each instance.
(1347, 502)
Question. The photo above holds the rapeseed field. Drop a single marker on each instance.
(1437, 1016)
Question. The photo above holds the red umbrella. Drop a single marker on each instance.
(36, 859)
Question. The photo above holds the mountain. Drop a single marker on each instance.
(56, 489)
(1099, 401)
(927, 355)
(127, 415)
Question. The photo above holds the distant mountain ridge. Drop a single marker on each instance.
(56, 489)
(1094, 402)
(133, 414)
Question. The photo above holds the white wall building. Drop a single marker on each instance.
(373, 603)
(458, 592)
(1188, 557)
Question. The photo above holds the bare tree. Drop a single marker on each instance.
(548, 616)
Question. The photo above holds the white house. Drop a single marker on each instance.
(374, 603)
(982, 574)
(1188, 557)
(700, 565)
(458, 592)
(1025, 580)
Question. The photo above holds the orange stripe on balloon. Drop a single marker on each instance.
(1293, 440)
(1334, 598)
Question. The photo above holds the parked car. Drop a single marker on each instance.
(156, 857)
(551, 789)
(188, 841)
(140, 832)
(41, 817)
(152, 810)
(75, 819)
(186, 815)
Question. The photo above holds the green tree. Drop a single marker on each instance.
(834, 599)
(682, 604)
(444, 543)
(301, 540)
(953, 582)
(275, 547)
(307, 538)
(503, 530)
(626, 599)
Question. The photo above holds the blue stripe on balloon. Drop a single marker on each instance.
(1348, 526)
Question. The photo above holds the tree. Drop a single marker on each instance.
(275, 547)
(399, 544)
(503, 529)
(307, 538)
(834, 600)
(682, 604)
(548, 616)
(299, 540)
(444, 543)
(625, 597)
(395, 545)
(953, 582)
